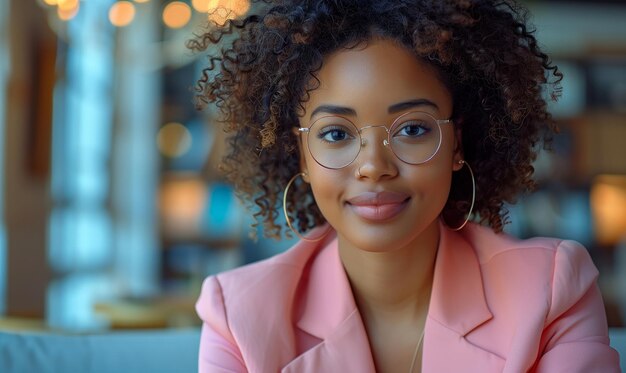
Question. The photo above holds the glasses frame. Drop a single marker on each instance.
(386, 142)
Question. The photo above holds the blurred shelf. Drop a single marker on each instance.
(151, 313)
(22, 324)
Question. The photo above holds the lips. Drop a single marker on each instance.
(378, 206)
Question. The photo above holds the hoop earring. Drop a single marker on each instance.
(287, 215)
(469, 213)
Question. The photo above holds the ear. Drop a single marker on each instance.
(301, 152)
(458, 149)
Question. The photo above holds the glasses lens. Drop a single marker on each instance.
(334, 141)
(415, 137)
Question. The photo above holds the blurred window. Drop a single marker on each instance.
(103, 228)
(134, 161)
(4, 74)
(81, 238)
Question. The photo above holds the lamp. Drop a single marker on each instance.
(608, 208)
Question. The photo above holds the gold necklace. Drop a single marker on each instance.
(417, 348)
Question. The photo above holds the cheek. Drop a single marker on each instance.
(432, 181)
(442, 185)
(324, 182)
(328, 188)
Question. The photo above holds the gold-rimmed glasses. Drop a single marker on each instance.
(335, 141)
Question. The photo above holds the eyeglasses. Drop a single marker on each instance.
(335, 142)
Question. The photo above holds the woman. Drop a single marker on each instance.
(380, 127)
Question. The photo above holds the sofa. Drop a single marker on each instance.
(162, 351)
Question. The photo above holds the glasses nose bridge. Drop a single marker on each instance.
(375, 154)
(363, 142)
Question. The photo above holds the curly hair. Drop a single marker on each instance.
(265, 64)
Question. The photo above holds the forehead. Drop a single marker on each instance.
(375, 76)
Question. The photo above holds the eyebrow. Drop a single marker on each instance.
(343, 110)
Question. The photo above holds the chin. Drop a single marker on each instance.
(380, 240)
(384, 239)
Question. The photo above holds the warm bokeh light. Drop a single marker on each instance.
(222, 10)
(240, 7)
(174, 140)
(181, 202)
(67, 14)
(141, 1)
(608, 206)
(176, 14)
(122, 13)
(221, 15)
(202, 6)
(67, 5)
(51, 2)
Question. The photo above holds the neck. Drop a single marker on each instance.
(396, 281)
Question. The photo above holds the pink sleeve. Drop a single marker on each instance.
(218, 350)
(576, 339)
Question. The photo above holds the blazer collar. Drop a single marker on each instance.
(328, 299)
(458, 297)
(328, 311)
(457, 300)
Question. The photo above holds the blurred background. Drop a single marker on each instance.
(112, 210)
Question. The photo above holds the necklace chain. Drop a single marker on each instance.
(417, 348)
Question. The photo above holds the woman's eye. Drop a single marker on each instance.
(413, 130)
(333, 135)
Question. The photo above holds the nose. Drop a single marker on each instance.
(376, 161)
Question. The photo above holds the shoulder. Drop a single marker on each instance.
(267, 286)
(546, 308)
(550, 271)
(490, 246)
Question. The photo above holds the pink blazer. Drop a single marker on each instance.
(498, 305)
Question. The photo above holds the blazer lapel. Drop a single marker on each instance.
(458, 298)
(346, 349)
(328, 311)
(457, 307)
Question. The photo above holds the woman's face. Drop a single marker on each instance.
(378, 202)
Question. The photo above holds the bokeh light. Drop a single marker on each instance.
(181, 202)
(50, 2)
(176, 14)
(202, 6)
(67, 5)
(67, 14)
(141, 1)
(122, 13)
(608, 207)
(221, 11)
(240, 7)
(174, 140)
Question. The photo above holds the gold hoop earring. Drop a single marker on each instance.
(291, 181)
(469, 213)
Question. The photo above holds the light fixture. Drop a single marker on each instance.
(201, 6)
(608, 208)
(220, 11)
(174, 140)
(67, 14)
(176, 14)
(122, 13)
